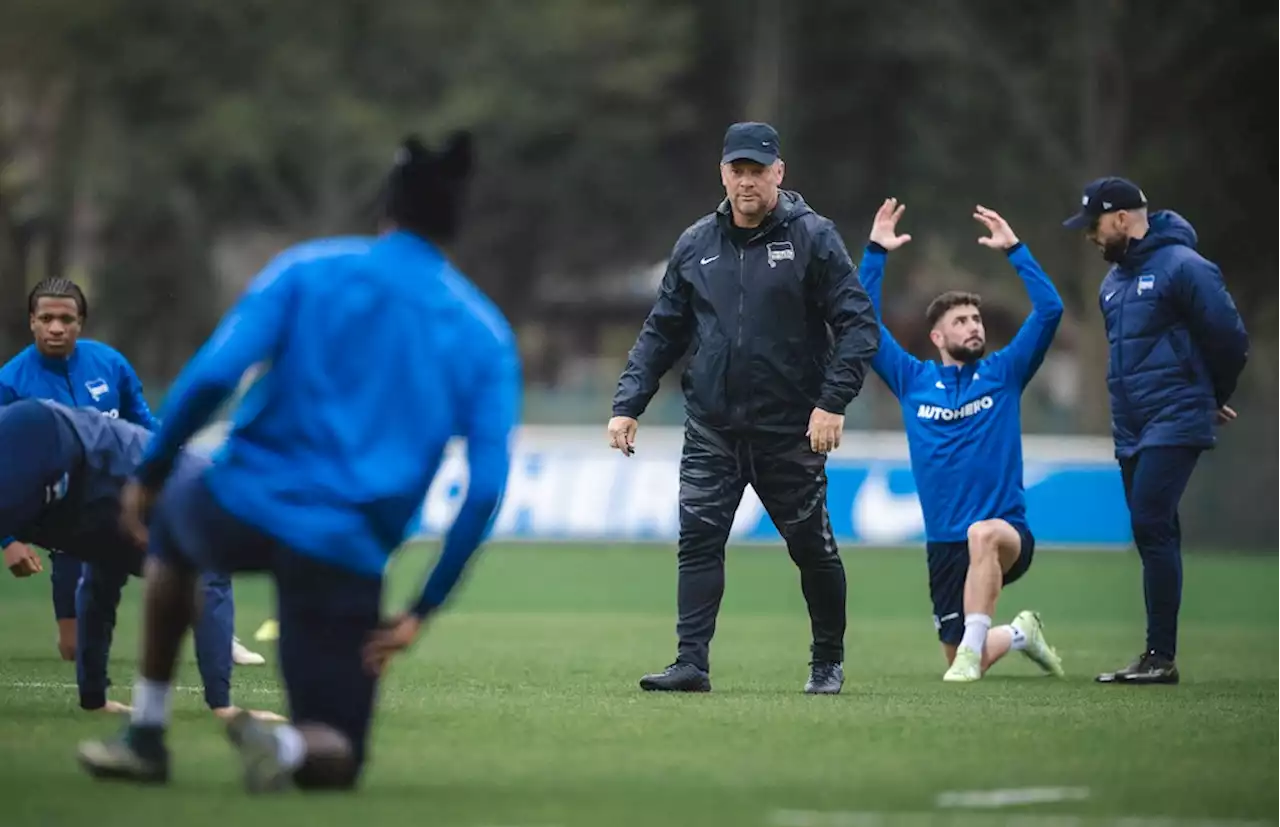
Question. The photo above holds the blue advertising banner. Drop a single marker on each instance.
(567, 485)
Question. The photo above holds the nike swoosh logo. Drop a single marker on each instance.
(1109, 295)
(709, 260)
(882, 516)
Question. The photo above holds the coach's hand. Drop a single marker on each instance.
(622, 434)
(884, 227)
(1225, 414)
(21, 560)
(1002, 237)
(824, 430)
(135, 510)
(396, 635)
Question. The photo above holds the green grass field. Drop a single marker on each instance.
(519, 708)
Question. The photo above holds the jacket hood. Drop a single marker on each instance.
(1165, 228)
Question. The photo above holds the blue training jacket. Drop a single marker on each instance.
(375, 353)
(1177, 342)
(95, 375)
(963, 424)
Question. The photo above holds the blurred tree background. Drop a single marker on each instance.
(160, 152)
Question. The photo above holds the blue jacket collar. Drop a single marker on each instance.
(412, 243)
(58, 364)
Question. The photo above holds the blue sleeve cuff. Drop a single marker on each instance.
(876, 249)
(1015, 249)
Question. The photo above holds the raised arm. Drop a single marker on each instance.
(1026, 351)
(891, 363)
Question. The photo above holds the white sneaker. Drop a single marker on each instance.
(242, 656)
(965, 668)
(1038, 649)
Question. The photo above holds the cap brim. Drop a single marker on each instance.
(749, 155)
(1079, 221)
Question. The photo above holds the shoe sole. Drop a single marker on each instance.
(815, 691)
(649, 686)
(93, 766)
(1112, 678)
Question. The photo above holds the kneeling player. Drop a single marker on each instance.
(962, 417)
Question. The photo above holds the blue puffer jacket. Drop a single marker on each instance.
(1177, 342)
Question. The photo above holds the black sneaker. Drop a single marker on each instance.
(678, 677)
(138, 754)
(825, 678)
(1151, 667)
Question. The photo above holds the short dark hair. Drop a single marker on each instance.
(952, 298)
(425, 189)
(57, 288)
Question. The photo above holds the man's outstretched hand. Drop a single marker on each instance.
(1002, 237)
(884, 227)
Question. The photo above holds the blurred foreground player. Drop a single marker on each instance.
(379, 352)
(962, 416)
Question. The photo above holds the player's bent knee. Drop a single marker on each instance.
(331, 763)
(984, 537)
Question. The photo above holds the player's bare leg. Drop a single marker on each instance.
(67, 638)
(994, 548)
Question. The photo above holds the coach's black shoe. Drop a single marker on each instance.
(825, 678)
(678, 677)
(138, 754)
(1151, 667)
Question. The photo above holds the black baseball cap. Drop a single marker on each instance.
(751, 141)
(1106, 195)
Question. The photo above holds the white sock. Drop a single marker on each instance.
(1017, 640)
(150, 703)
(976, 627)
(292, 747)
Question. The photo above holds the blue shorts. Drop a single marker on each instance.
(948, 568)
(326, 614)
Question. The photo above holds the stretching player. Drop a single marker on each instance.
(962, 417)
(380, 352)
(82, 373)
(63, 473)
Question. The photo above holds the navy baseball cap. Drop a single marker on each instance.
(751, 141)
(1106, 195)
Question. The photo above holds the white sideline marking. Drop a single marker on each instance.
(48, 685)
(814, 818)
(1011, 797)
